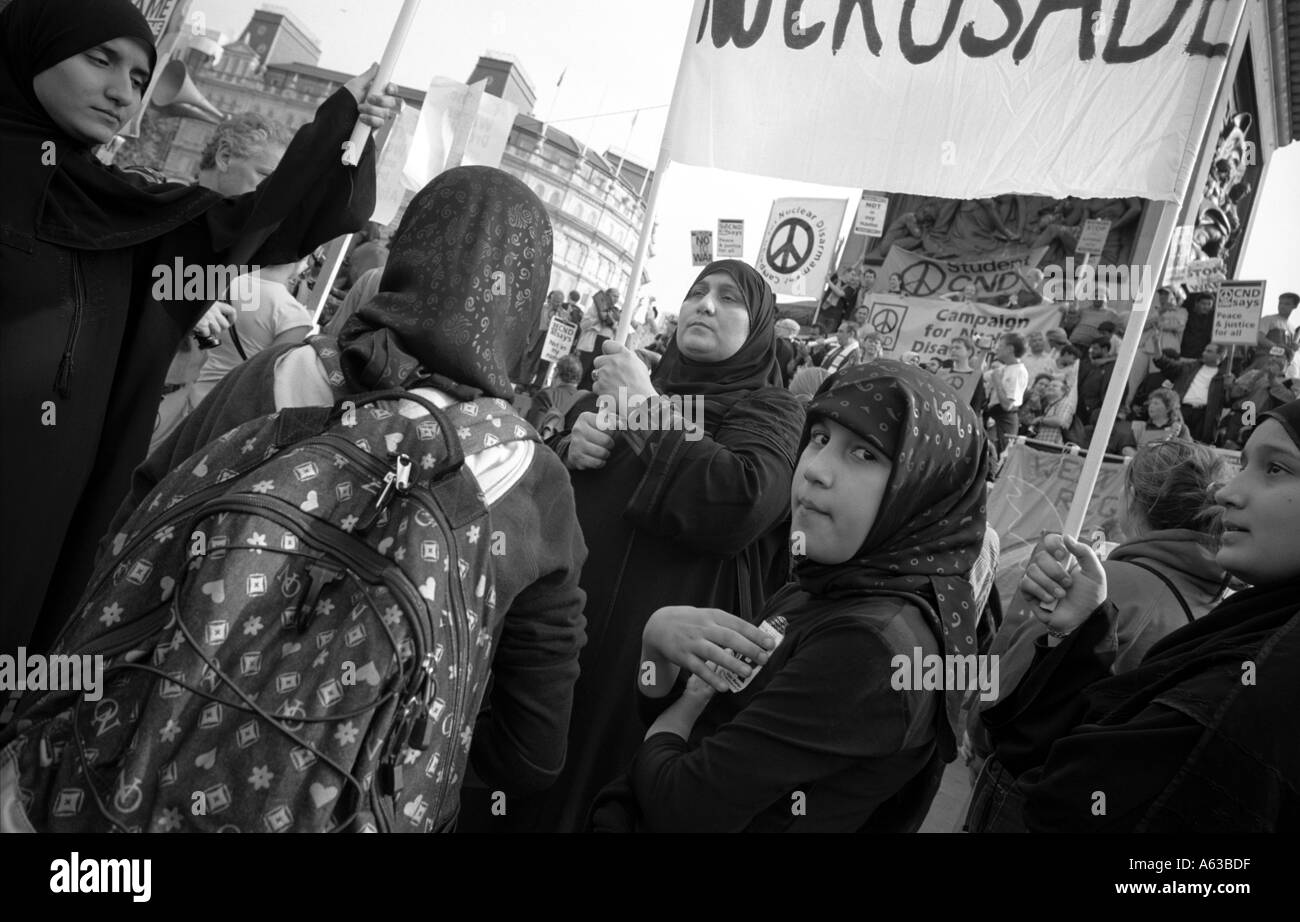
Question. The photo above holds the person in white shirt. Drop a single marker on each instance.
(1009, 383)
(1039, 359)
(1286, 305)
(266, 316)
(846, 353)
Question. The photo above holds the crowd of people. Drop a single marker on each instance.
(690, 626)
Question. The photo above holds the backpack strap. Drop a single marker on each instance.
(1168, 584)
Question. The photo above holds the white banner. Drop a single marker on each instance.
(731, 239)
(799, 244)
(1096, 99)
(459, 125)
(1237, 309)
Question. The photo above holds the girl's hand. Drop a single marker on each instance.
(374, 109)
(691, 638)
(1076, 592)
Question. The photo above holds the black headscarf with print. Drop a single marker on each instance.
(465, 283)
(83, 203)
(754, 366)
(930, 526)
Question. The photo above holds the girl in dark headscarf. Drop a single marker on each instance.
(828, 729)
(84, 342)
(1201, 736)
(460, 294)
(693, 511)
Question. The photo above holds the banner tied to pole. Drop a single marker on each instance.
(799, 244)
(993, 274)
(701, 247)
(559, 340)
(731, 239)
(1032, 497)
(972, 83)
(1237, 309)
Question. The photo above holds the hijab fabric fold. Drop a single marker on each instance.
(467, 275)
(929, 530)
(82, 203)
(753, 367)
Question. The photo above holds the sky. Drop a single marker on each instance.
(620, 56)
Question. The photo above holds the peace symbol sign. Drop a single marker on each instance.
(884, 321)
(795, 238)
(922, 279)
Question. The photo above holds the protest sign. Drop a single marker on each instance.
(459, 125)
(389, 188)
(799, 244)
(1093, 238)
(701, 247)
(731, 239)
(1180, 254)
(1204, 275)
(559, 340)
(156, 12)
(924, 276)
(970, 83)
(1237, 308)
(870, 218)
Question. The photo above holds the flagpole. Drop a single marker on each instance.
(353, 147)
(1133, 332)
(665, 152)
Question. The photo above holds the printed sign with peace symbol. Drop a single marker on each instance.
(923, 279)
(887, 320)
(790, 246)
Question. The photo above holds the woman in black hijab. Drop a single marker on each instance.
(84, 343)
(694, 512)
(1201, 736)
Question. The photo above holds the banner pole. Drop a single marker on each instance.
(661, 165)
(360, 131)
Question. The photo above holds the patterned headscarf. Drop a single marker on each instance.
(754, 365)
(462, 291)
(929, 530)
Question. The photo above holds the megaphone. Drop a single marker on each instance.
(177, 95)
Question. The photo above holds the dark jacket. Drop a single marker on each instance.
(1182, 372)
(1094, 380)
(669, 522)
(1181, 744)
(822, 718)
(68, 459)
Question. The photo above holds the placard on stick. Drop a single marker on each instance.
(870, 216)
(731, 239)
(1237, 309)
(701, 247)
(1093, 238)
(559, 339)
